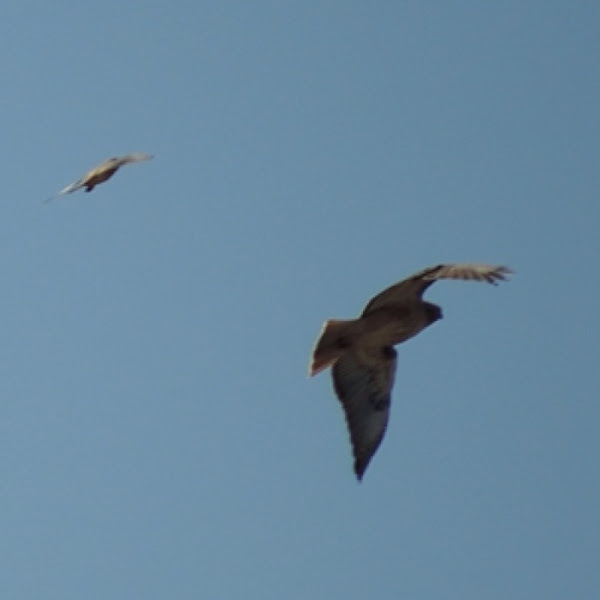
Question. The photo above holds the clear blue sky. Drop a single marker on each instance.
(159, 437)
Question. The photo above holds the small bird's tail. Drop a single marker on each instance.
(335, 338)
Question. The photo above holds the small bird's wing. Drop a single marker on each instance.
(363, 380)
(412, 288)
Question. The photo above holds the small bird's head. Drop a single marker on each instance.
(433, 312)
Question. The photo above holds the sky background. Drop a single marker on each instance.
(159, 437)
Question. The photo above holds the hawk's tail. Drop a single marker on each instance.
(335, 338)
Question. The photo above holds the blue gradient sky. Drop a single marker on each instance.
(159, 437)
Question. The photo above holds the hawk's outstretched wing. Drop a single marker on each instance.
(72, 187)
(412, 288)
(363, 383)
(134, 157)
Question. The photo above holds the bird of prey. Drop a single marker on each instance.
(102, 172)
(362, 355)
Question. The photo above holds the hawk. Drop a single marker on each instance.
(102, 172)
(362, 355)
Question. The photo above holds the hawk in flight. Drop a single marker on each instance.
(362, 355)
(102, 172)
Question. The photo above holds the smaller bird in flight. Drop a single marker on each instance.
(102, 172)
(362, 355)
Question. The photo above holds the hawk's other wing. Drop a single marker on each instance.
(363, 381)
(133, 158)
(412, 288)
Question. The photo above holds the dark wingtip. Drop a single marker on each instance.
(504, 271)
(500, 274)
(359, 470)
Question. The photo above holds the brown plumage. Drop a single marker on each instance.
(102, 172)
(362, 356)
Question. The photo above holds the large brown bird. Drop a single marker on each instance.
(102, 172)
(362, 354)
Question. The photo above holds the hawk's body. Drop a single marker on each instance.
(102, 172)
(362, 354)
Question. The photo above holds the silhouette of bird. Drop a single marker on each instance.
(362, 355)
(102, 172)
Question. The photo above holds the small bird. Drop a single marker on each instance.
(362, 355)
(102, 172)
